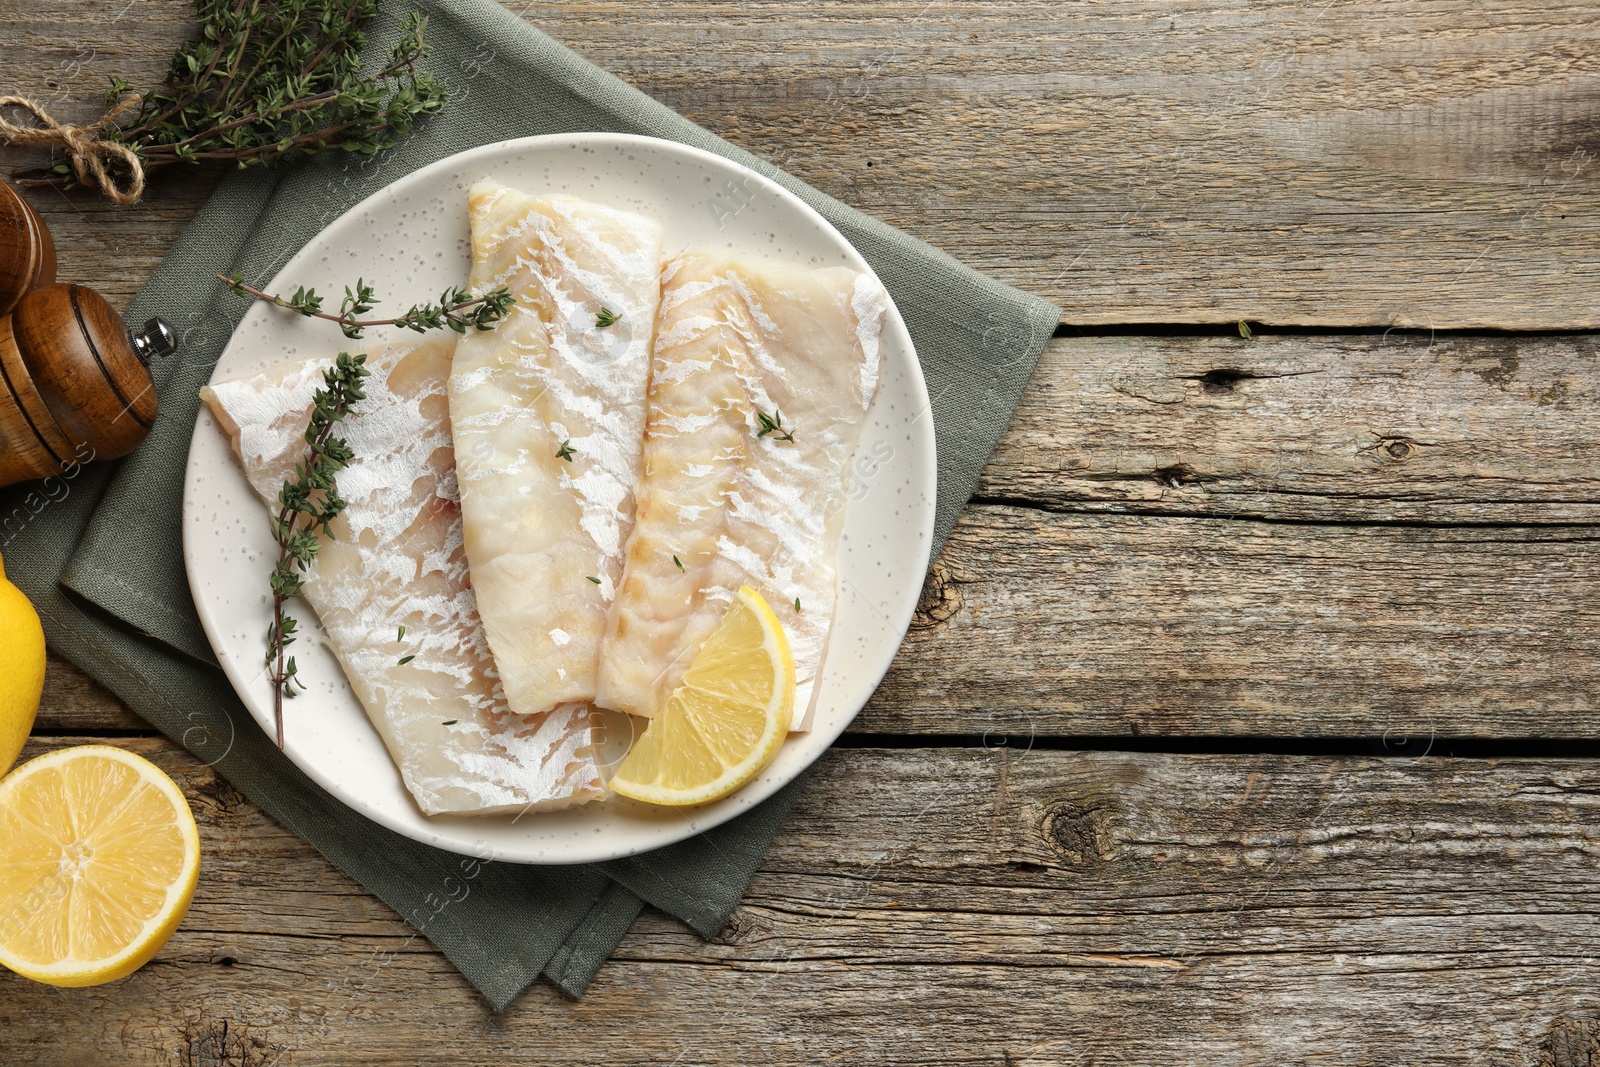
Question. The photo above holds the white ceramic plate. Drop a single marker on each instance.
(410, 241)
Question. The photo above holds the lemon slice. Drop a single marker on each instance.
(98, 861)
(725, 722)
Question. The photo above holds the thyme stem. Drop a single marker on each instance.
(456, 309)
(307, 503)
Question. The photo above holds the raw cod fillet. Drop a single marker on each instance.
(396, 559)
(734, 339)
(545, 534)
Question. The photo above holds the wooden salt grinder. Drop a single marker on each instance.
(27, 254)
(75, 384)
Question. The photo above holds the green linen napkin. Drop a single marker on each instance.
(99, 549)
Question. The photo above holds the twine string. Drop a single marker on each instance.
(88, 150)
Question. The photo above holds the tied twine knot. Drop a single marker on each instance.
(88, 150)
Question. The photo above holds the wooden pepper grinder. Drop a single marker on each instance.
(27, 254)
(75, 382)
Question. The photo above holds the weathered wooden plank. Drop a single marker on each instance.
(1333, 163)
(1343, 427)
(988, 906)
(1352, 162)
(1039, 623)
(1074, 624)
(75, 703)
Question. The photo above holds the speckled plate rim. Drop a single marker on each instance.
(895, 461)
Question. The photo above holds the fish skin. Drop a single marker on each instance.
(538, 527)
(734, 338)
(396, 558)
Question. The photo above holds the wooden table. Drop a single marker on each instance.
(1245, 717)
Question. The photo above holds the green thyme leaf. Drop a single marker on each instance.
(772, 424)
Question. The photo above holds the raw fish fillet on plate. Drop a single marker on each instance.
(545, 533)
(736, 340)
(396, 559)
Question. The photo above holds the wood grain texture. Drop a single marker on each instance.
(1347, 163)
(1079, 624)
(990, 907)
(74, 703)
(1391, 427)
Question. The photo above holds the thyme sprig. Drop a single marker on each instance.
(266, 80)
(772, 424)
(307, 503)
(456, 308)
(606, 317)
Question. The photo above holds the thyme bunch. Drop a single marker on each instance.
(267, 80)
(456, 308)
(307, 503)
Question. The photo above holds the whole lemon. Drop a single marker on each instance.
(21, 669)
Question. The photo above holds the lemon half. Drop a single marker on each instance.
(21, 670)
(726, 721)
(98, 862)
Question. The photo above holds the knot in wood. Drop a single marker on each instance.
(739, 929)
(221, 1043)
(1395, 447)
(1573, 1041)
(219, 794)
(940, 599)
(1222, 380)
(1175, 477)
(1079, 831)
